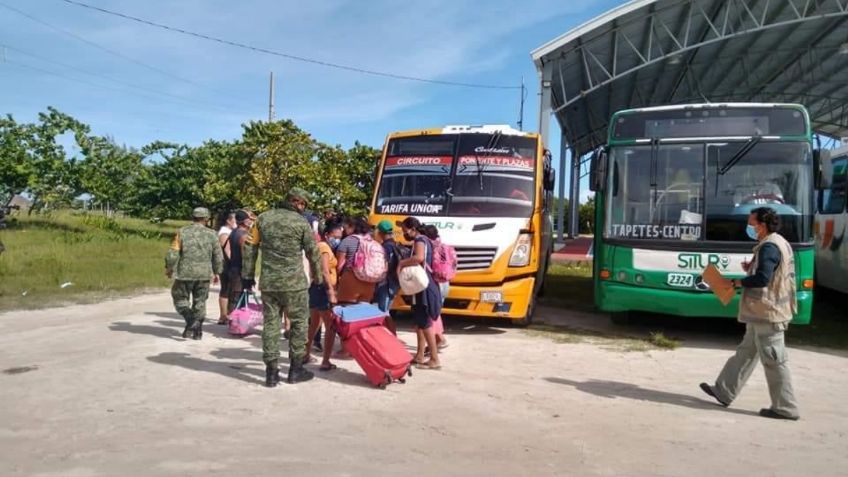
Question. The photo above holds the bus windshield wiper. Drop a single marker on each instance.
(745, 149)
(493, 142)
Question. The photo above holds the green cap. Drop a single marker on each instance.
(385, 227)
(200, 213)
(298, 193)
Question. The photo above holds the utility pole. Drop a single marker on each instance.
(521, 110)
(271, 99)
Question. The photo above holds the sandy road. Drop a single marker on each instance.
(111, 389)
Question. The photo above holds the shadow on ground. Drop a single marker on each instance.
(253, 373)
(569, 305)
(615, 390)
(174, 321)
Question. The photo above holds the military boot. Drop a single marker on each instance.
(297, 373)
(197, 330)
(189, 327)
(272, 374)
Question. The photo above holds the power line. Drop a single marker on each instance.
(303, 59)
(98, 86)
(103, 48)
(115, 80)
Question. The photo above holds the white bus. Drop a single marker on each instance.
(832, 221)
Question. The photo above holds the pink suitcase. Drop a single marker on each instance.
(381, 355)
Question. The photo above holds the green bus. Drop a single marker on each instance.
(674, 188)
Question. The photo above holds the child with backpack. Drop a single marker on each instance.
(362, 264)
(388, 288)
(444, 269)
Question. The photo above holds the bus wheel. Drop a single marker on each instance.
(620, 317)
(528, 318)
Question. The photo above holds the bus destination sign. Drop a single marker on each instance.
(659, 232)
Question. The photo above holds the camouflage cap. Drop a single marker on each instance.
(298, 193)
(200, 213)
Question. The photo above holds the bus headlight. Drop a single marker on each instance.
(521, 253)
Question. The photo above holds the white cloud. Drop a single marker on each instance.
(441, 39)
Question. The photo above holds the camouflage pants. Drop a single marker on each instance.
(295, 304)
(190, 299)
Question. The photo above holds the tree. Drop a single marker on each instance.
(586, 214)
(281, 156)
(55, 178)
(226, 171)
(16, 162)
(172, 187)
(109, 172)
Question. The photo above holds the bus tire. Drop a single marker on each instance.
(620, 317)
(528, 318)
(543, 285)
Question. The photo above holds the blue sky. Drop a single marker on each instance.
(167, 86)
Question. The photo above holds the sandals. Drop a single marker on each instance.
(223, 321)
(427, 365)
(331, 367)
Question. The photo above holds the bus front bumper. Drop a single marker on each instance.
(465, 300)
(618, 297)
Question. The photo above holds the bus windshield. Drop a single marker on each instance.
(484, 175)
(677, 192)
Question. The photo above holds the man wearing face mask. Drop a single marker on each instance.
(767, 305)
(283, 237)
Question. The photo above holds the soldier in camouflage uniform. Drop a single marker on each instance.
(195, 258)
(283, 236)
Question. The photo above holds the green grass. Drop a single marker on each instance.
(569, 285)
(100, 257)
(606, 339)
(829, 326)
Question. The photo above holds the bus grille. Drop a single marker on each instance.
(475, 258)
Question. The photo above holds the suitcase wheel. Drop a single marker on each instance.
(409, 371)
(402, 380)
(382, 385)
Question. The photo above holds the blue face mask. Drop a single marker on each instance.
(334, 242)
(752, 232)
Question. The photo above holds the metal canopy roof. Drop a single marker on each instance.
(656, 52)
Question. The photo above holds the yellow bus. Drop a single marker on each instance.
(489, 191)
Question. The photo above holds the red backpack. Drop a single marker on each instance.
(444, 262)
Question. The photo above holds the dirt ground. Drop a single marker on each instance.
(111, 389)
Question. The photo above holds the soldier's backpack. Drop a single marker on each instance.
(369, 261)
(444, 262)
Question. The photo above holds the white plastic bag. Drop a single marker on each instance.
(413, 280)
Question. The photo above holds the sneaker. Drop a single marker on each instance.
(709, 391)
(772, 414)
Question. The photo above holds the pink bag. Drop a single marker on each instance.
(438, 326)
(369, 261)
(246, 316)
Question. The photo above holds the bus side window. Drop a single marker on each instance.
(833, 198)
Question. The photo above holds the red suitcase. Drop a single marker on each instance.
(380, 354)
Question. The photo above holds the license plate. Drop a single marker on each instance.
(681, 280)
(491, 297)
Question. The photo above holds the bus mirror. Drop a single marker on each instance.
(550, 179)
(822, 168)
(598, 170)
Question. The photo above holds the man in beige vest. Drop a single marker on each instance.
(767, 306)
